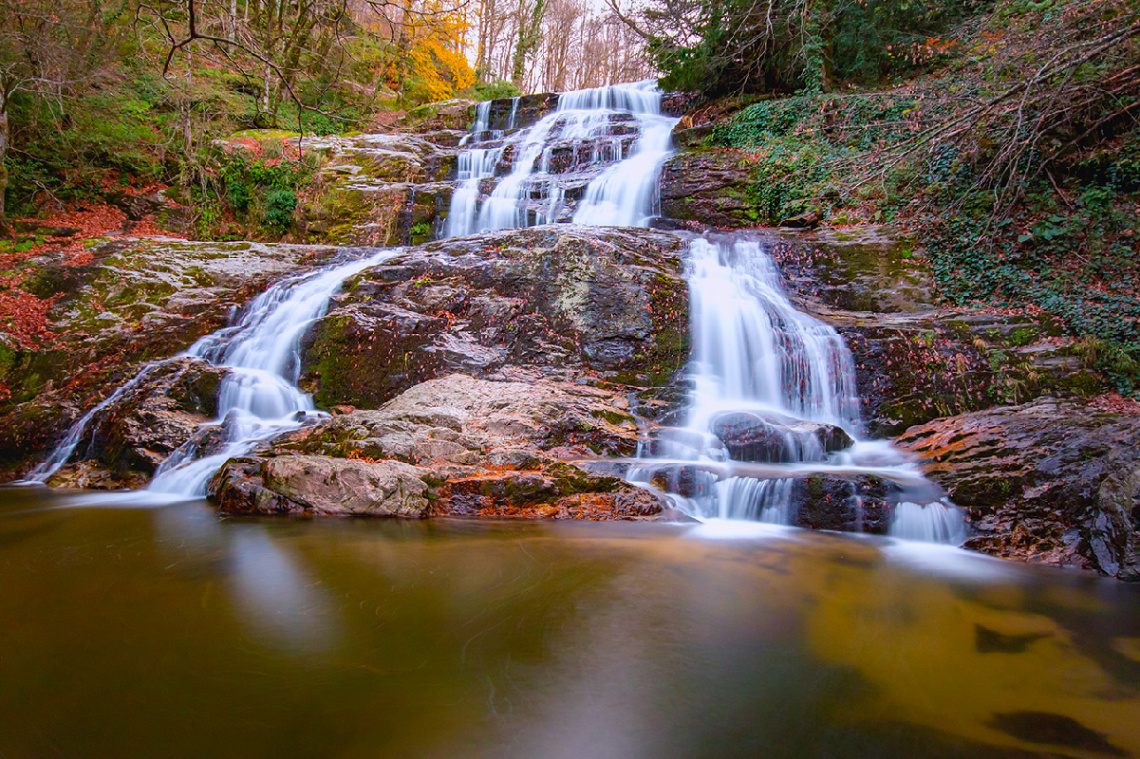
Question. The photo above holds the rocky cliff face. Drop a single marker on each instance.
(603, 306)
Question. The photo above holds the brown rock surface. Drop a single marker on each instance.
(1050, 481)
(598, 305)
(478, 448)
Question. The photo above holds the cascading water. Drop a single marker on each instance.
(758, 363)
(772, 389)
(593, 161)
(754, 350)
(75, 434)
(258, 397)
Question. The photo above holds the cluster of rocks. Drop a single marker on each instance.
(498, 367)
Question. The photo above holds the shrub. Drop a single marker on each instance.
(279, 207)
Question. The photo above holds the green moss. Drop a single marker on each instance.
(264, 134)
(1022, 336)
(613, 417)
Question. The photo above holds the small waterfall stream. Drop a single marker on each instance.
(257, 399)
(594, 160)
(773, 388)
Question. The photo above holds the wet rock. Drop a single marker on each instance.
(528, 110)
(858, 504)
(128, 441)
(685, 481)
(321, 486)
(773, 438)
(679, 103)
(344, 486)
(708, 186)
(538, 494)
(90, 475)
(151, 298)
(460, 419)
(601, 305)
(479, 448)
(1050, 481)
(27, 434)
(238, 488)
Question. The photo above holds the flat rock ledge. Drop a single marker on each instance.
(1052, 481)
(452, 446)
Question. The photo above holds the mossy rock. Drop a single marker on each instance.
(573, 302)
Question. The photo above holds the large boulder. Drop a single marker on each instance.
(463, 420)
(1052, 481)
(597, 305)
(321, 485)
(455, 445)
(774, 438)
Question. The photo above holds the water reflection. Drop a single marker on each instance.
(171, 632)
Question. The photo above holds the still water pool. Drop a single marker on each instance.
(169, 632)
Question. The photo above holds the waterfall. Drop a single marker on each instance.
(66, 447)
(258, 398)
(594, 160)
(772, 385)
(753, 350)
(773, 390)
(592, 132)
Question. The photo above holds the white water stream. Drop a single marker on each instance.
(258, 398)
(595, 160)
(605, 144)
(783, 376)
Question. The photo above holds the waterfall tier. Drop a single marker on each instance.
(594, 160)
(773, 392)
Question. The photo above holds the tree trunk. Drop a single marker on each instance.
(4, 231)
(530, 34)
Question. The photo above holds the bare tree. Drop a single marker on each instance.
(48, 48)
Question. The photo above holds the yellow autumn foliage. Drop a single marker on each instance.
(436, 62)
